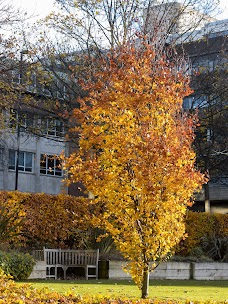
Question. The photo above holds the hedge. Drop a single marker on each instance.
(45, 220)
(38, 220)
(201, 225)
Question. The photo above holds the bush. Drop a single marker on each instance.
(17, 265)
(48, 220)
(207, 234)
(4, 262)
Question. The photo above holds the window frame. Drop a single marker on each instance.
(21, 120)
(22, 167)
(54, 127)
(49, 168)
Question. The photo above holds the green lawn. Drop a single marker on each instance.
(161, 289)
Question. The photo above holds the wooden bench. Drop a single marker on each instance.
(54, 258)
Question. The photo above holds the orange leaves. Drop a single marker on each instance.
(47, 219)
(142, 164)
(52, 219)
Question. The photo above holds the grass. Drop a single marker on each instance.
(160, 289)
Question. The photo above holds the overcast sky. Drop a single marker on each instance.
(43, 7)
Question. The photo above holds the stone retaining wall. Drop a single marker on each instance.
(210, 271)
(172, 270)
(177, 271)
(169, 270)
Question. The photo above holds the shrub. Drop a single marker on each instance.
(198, 225)
(98, 239)
(222, 224)
(4, 262)
(206, 233)
(17, 265)
(48, 220)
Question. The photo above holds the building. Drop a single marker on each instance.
(209, 59)
(31, 138)
(38, 169)
(174, 22)
(203, 41)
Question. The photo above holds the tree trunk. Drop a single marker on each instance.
(145, 283)
(207, 197)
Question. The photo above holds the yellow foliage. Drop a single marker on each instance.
(135, 154)
(12, 218)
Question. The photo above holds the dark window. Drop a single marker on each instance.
(53, 127)
(25, 161)
(50, 165)
(25, 120)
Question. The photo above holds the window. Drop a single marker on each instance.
(46, 90)
(16, 77)
(25, 120)
(53, 127)
(209, 134)
(62, 92)
(32, 86)
(2, 157)
(25, 161)
(193, 102)
(50, 164)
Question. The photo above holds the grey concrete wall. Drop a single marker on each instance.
(172, 270)
(169, 270)
(32, 181)
(210, 271)
(177, 271)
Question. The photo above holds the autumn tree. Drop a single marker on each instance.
(81, 30)
(135, 155)
(13, 57)
(24, 82)
(8, 47)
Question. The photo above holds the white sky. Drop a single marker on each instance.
(224, 6)
(35, 7)
(43, 7)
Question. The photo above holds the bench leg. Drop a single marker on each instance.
(86, 272)
(87, 275)
(55, 273)
(64, 272)
(48, 272)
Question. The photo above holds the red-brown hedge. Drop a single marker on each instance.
(54, 220)
(48, 219)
